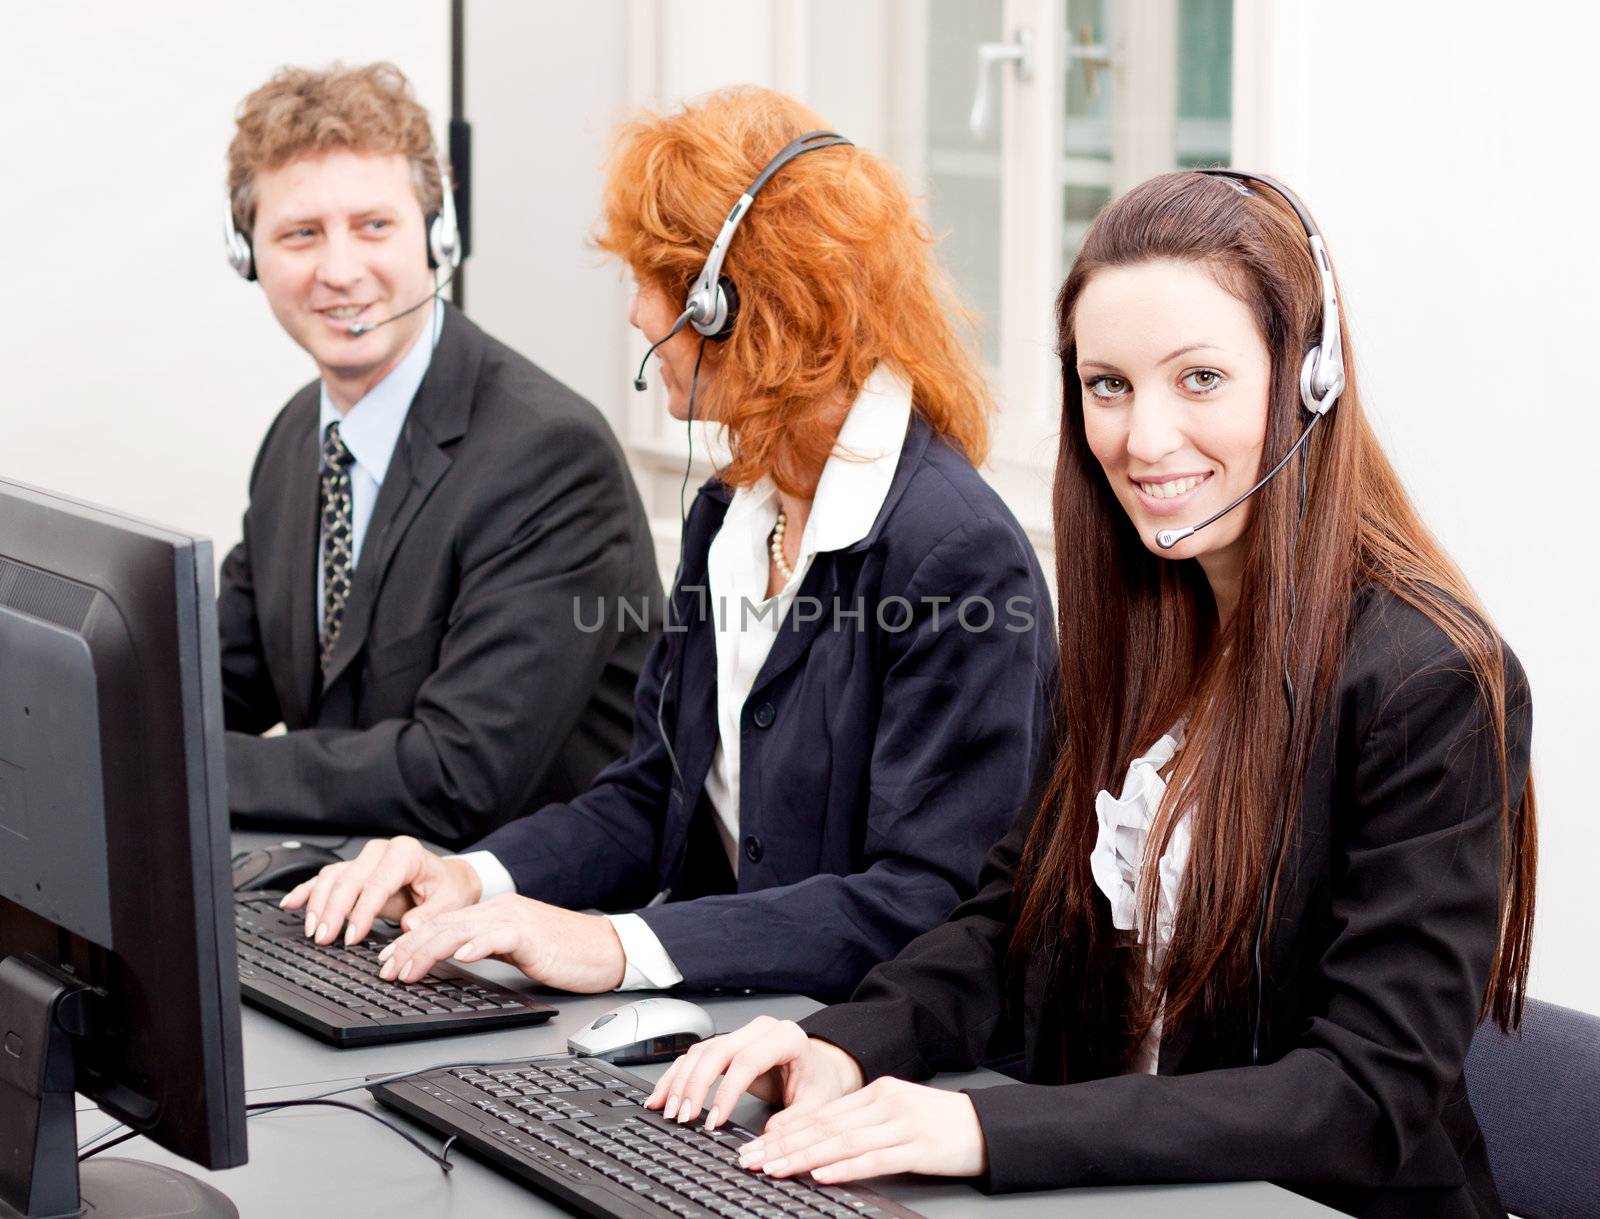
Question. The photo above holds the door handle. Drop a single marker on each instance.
(991, 55)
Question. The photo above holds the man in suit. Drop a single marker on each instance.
(425, 518)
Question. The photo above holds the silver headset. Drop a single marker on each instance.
(1322, 373)
(444, 235)
(712, 306)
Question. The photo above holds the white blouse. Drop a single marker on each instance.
(1124, 828)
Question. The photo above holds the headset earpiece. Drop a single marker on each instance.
(727, 306)
(444, 233)
(241, 254)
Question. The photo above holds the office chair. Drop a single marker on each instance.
(1536, 1095)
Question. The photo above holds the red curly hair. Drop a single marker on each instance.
(834, 269)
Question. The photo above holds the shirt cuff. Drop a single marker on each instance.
(492, 874)
(648, 965)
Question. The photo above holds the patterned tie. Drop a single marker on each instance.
(337, 535)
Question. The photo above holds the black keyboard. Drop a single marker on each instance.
(574, 1129)
(334, 992)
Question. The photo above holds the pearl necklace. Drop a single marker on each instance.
(775, 547)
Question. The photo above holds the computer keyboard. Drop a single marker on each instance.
(334, 992)
(575, 1130)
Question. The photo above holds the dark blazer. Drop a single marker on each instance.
(877, 766)
(1379, 959)
(462, 692)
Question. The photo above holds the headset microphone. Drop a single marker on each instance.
(683, 320)
(357, 329)
(1168, 538)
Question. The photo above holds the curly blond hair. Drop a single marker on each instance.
(833, 265)
(303, 111)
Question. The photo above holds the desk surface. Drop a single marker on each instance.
(316, 1162)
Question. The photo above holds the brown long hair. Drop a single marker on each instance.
(834, 269)
(1142, 645)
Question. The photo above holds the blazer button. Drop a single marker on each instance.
(764, 715)
(753, 850)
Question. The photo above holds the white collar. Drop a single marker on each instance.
(371, 428)
(855, 480)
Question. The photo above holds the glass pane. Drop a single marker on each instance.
(1090, 95)
(964, 169)
(1205, 83)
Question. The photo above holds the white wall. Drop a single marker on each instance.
(545, 85)
(1449, 164)
(140, 372)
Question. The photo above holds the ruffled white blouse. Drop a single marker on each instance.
(1124, 827)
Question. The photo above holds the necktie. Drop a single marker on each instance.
(338, 562)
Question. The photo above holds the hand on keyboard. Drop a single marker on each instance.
(555, 947)
(773, 1060)
(890, 1126)
(396, 878)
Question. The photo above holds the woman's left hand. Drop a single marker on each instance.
(887, 1127)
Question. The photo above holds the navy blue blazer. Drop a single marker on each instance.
(886, 745)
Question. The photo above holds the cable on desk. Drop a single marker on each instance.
(94, 1151)
(374, 1081)
(268, 1106)
(441, 1157)
(258, 1108)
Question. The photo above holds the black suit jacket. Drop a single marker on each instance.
(462, 691)
(1379, 959)
(883, 750)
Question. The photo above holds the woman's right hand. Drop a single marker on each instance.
(772, 1059)
(395, 878)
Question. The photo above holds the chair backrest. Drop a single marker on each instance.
(1536, 1094)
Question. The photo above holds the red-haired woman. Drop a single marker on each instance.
(848, 705)
(1285, 860)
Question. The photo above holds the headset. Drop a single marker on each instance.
(712, 305)
(444, 238)
(1322, 371)
(712, 308)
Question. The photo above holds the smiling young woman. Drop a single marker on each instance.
(1283, 862)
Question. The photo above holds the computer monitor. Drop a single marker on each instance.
(117, 967)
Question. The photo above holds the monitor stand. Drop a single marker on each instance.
(41, 1011)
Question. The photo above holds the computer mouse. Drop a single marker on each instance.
(647, 1030)
(281, 866)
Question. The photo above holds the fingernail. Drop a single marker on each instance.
(777, 1166)
(386, 972)
(405, 974)
(671, 1111)
(311, 922)
(388, 951)
(283, 902)
(349, 935)
(322, 931)
(461, 953)
(712, 1119)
